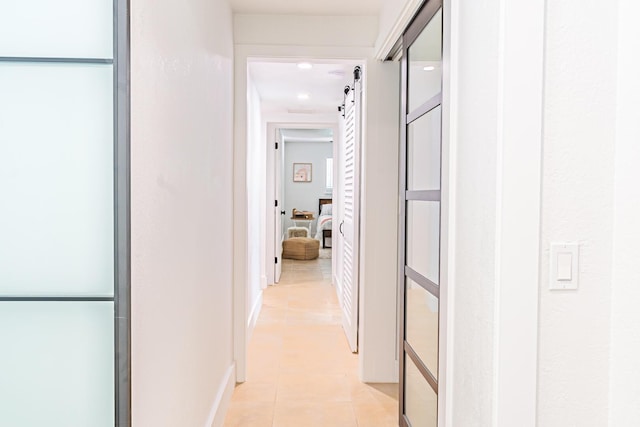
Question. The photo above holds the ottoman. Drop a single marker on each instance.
(301, 248)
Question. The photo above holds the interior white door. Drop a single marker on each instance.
(279, 205)
(350, 224)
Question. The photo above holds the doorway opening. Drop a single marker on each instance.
(303, 176)
(295, 111)
(299, 103)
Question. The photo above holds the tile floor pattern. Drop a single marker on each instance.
(300, 371)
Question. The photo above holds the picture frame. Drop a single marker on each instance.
(302, 172)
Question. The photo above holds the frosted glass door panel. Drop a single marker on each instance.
(422, 325)
(57, 364)
(425, 64)
(421, 402)
(61, 28)
(423, 152)
(56, 180)
(423, 238)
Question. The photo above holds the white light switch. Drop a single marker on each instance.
(564, 266)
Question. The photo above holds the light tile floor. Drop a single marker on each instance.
(300, 371)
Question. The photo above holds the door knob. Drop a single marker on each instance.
(341, 224)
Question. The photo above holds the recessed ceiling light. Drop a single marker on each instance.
(303, 96)
(429, 68)
(305, 65)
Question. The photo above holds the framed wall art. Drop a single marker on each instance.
(302, 172)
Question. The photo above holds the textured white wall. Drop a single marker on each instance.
(182, 97)
(577, 194)
(625, 316)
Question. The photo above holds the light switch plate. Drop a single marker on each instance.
(563, 271)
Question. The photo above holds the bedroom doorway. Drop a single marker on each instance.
(310, 147)
(303, 179)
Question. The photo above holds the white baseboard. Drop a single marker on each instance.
(223, 399)
(264, 282)
(253, 316)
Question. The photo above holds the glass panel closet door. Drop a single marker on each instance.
(420, 225)
(64, 218)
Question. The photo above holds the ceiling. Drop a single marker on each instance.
(280, 83)
(307, 7)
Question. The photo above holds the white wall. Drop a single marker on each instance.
(305, 31)
(256, 207)
(315, 37)
(625, 316)
(304, 195)
(577, 191)
(181, 138)
(586, 352)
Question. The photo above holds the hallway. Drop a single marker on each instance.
(300, 369)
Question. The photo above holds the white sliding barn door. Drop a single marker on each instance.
(350, 214)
